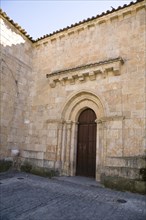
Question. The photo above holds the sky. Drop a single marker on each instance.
(40, 17)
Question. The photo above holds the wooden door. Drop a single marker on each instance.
(86, 146)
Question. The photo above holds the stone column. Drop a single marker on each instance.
(68, 146)
(73, 149)
(63, 149)
(99, 149)
(59, 145)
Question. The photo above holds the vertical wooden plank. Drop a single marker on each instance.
(86, 147)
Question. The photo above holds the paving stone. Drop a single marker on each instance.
(32, 197)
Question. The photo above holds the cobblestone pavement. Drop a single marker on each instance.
(30, 197)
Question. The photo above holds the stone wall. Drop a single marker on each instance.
(99, 64)
(16, 82)
(120, 34)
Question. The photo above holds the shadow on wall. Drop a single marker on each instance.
(16, 61)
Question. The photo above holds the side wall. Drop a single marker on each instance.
(16, 82)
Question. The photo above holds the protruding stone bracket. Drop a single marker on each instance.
(92, 75)
(52, 83)
(71, 79)
(89, 71)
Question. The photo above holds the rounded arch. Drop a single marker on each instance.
(79, 101)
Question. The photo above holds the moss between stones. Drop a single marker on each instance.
(44, 172)
(124, 184)
(26, 167)
(5, 165)
(40, 171)
(143, 173)
(140, 187)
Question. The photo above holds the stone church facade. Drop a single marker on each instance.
(75, 100)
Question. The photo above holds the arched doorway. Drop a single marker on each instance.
(68, 131)
(86, 144)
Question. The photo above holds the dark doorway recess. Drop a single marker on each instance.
(86, 145)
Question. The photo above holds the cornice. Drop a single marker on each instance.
(90, 22)
(101, 17)
(90, 71)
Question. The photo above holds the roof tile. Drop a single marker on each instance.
(68, 27)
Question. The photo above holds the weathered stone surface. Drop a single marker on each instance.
(99, 64)
(119, 183)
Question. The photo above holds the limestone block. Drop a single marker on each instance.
(137, 123)
(114, 124)
(35, 162)
(58, 165)
(51, 148)
(114, 161)
(3, 138)
(114, 142)
(32, 154)
(131, 147)
(50, 156)
(49, 164)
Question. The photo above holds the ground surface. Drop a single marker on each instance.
(30, 197)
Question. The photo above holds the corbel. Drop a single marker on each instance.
(52, 83)
(92, 75)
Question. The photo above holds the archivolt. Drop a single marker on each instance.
(80, 101)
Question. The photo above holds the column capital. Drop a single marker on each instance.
(98, 121)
